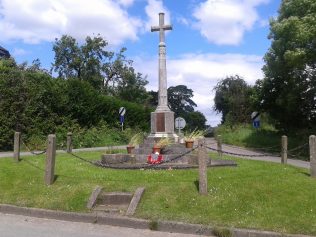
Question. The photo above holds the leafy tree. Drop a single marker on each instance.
(179, 99)
(132, 87)
(195, 120)
(153, 98)
(233, 99)
(106, 71)
(288, 90)
(33, 102)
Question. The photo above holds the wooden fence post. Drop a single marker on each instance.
(69, 142)
(312, 155)
(219, 146)
(284, 150)
(50, 160)
(202, 155)
(17, 145)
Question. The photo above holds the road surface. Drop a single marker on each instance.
(24, 226)
(212, 143)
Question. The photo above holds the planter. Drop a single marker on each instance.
(189, 144)
(130, 149)
(156, 149)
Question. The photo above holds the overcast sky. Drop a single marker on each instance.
(211, 39)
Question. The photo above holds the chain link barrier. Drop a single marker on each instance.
(34, 152)
(262, 155)
(238, 154)
(300, 150)
(142, 166)
(270, 149)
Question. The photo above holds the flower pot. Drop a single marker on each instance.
(156, 149)
(130, 149)
(189, 144)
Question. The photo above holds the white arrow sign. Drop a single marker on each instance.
(122, 111)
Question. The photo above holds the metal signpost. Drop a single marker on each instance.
(179, 123)
(122, 112)
(255, 116)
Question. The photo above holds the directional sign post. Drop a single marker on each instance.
(122, 112)
(255, 116)
(179, 123)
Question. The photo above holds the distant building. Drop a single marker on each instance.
(4, 53)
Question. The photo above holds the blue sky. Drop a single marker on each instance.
(211, 39)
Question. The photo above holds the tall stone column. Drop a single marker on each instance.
(162, 120)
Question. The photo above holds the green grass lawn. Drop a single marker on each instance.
(255, 194)
(266, 139)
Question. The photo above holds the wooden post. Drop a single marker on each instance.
(312, 155)
(69, 142)
(284, 150)
(202, 155)
(50, 160)
(219, 146)
(17, 145)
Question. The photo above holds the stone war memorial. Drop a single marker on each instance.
(174, 154)
(162, 120)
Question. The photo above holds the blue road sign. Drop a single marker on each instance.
(122, 118)
(256, 124)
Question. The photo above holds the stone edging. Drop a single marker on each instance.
(123, 221)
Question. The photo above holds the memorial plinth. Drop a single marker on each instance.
(162, 124)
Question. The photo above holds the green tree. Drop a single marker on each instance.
(131, 87)
(30, 101)
(288, 90)
(195, 120)
(108, 72)
(233, 100)
(179, 99)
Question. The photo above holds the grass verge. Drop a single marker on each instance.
(255, 194)
(266, 139)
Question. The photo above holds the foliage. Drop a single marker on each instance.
(106, 71)
(194, 135)
(266, 139)
(253, 195)
(289, 87)
(131, 87)
(179, 100)
(222, 232)
(195, 119)
(232, 99)
(34, 103)
(137, 139)
(163, 142)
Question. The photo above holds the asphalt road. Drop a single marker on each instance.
(24, 226)
(255, 155)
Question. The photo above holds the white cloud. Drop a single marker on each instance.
(19, 52)
(152, 9)
(201, 72)
(34, 21)
(224, 22)
(183, 20)
(126, 3)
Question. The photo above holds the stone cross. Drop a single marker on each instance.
(162, 94)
